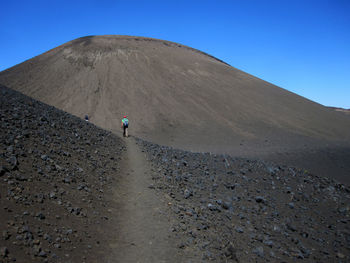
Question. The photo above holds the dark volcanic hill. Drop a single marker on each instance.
(178, 96)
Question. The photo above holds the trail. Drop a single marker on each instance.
(143, 225)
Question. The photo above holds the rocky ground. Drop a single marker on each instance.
(56, 177)
(65, 185)
(240, 210)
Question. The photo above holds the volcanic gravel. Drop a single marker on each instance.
(240, 210)
(58, 174)
(56, 177)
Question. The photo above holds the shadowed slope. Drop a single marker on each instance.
(175, 95)
(58, 177)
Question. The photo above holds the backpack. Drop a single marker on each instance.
(126, 122)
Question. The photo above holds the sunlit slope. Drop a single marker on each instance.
(172, 95)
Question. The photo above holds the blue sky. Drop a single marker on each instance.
(301, 46)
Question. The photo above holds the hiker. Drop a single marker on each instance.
(86, 118)
(125, 125)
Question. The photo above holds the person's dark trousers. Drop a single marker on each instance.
(125, 133)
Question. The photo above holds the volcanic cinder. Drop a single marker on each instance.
(177, 96)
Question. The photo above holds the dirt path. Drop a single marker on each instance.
(144, 229)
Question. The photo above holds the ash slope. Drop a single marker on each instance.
(175, 95)
(57, 175)
(171, 93)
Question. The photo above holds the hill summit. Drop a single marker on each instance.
(176, 95)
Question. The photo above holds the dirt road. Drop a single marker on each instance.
(143, 222)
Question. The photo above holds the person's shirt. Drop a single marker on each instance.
(125, 120)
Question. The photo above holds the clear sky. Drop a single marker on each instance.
(300, 45)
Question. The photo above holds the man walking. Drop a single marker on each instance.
(125, 125)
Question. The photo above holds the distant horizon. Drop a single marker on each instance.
(300, 46)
